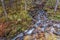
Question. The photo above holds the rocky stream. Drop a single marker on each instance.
(42, 26)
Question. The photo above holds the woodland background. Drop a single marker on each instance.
(14, 15)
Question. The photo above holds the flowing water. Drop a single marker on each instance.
(41, 20)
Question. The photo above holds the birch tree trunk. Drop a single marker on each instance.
(25, 5)
(3, 5)
(57, 2)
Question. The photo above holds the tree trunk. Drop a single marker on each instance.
(57, 2)
(10, 3)
(4, 9)
(25, 5)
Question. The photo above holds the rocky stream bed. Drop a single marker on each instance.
(41, 29)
